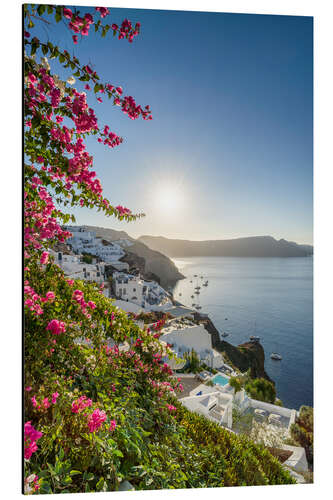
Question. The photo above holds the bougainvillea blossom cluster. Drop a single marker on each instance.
(96, 419)
(31, 436)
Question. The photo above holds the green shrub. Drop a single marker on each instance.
(302, 431)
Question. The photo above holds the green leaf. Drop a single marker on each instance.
(33, 48)
(75, 472)
(41, 9)
(49, 9)
(58, 15)
(45, 49)
(100, 484)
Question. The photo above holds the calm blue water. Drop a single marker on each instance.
(269, 297)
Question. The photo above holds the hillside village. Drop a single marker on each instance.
(208, 392)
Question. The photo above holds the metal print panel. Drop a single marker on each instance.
(168, 249)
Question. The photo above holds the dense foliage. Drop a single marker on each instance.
(302, 431)
(100, 404)
(258, 388)
(261, 389)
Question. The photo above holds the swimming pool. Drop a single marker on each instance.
(220, 380)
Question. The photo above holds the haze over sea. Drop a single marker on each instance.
(268, 297)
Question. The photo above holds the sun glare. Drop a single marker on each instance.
(168, 199)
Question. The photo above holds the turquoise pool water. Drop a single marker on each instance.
(220, 380)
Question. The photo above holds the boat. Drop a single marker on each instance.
(276, 356)
(195, 275)
(197, 292)
(191, 281)
(198, 307)
(192, 296)
(254, 338)
(193, 305)
(197, 288)
(225, 319)
(225, 334)
(180, 295)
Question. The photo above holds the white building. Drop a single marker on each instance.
(147, 294)
(216, 403)
(75, 269)
(212, 403)
(83, 241)
(185, 337)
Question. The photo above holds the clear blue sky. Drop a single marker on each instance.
(231, 135)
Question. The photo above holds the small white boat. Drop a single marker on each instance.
(276, 356)
(197, 292)
(225, 334)
(254, 338)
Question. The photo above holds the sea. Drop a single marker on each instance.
(268, 297)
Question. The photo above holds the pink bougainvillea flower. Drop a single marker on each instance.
(55, 395)
(75, 38)
(50, 296)
(31, 435)
(113, 425)
(67, 13)
(56, 327)
(46, 403)
(44, 258)
(103, 11)
(96, 419)
(80, 404)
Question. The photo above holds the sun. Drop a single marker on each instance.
(168, 199)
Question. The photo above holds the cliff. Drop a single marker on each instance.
(249, 355)
(256, 246)
(155, 263)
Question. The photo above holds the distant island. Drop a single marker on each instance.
(254, 246)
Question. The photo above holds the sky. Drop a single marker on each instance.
(229, 150)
